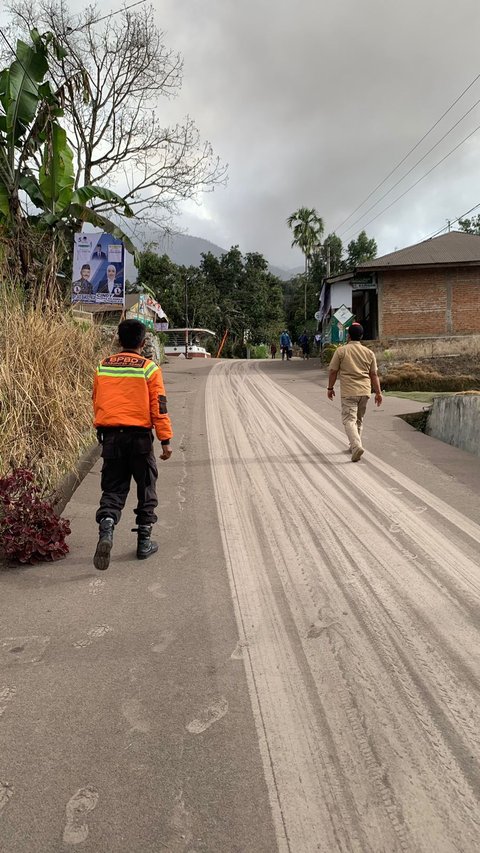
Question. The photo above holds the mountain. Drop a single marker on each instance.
(186, 250)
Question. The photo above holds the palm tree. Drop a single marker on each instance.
(307, 227)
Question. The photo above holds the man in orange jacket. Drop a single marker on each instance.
(129, 401)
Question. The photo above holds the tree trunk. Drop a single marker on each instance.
(305, 288)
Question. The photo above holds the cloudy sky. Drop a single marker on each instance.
(313, 102)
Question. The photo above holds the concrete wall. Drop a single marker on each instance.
(434, 301)
(456, 420)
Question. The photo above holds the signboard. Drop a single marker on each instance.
(98, 269)
(342, 315)
(318, 315)
(150, 313)
(365, 284)
(147, 302)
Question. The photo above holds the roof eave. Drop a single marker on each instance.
(428, 265)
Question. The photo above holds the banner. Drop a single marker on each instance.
(149, 312)
(98, 269)
(147, 301)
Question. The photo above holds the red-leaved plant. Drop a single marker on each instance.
(29, 529)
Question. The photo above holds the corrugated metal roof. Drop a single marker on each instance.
(453, 248)
(344, 276)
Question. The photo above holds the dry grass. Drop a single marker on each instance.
(468, 345)
(46, 371)
(419, 377)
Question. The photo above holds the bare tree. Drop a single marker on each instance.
(117, 135)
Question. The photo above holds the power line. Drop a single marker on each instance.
(16, 58)
(349, 228)
(77, 29)
(104, 17)
(400, 163)
(74, 30)
(452, 222)
(421, 178)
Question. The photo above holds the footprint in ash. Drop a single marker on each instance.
(6, 696)
(163, 642)
(208, 716)
(93, 634)
(156, 589)
(96, 586)
(238, 652)
(6, 792)
(77, 809)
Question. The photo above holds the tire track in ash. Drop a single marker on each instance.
(358, 612)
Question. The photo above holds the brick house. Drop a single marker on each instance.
(429, 289)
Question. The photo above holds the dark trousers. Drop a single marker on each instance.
(128, 453)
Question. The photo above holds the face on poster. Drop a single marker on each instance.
(98, 269)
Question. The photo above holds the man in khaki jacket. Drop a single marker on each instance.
(357, 367)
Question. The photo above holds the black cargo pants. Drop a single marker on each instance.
(127, 452)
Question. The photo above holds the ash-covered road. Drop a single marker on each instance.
(357, 599)
(297, 669)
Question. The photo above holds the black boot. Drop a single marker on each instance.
(145, 546)
(101, 558)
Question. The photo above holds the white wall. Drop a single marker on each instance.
(341, 294)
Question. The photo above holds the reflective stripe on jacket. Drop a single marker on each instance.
(128, 390)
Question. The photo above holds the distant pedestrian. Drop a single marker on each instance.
(273, 350)
(305, 344)
(129, 401)
(285, 345)
(357, 367)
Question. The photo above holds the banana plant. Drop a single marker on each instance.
(36, 160)
(62, 206)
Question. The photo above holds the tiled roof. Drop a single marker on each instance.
(456, 247)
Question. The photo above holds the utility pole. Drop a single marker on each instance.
(186, 315)
(328, 260)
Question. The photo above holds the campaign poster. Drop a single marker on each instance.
(150, 312)
(98, 269)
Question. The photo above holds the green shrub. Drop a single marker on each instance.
(388, 355)
(259, 351)
(327, 353)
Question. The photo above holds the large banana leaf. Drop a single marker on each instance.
(29, 184)
(19, 90)
(30, 125)
(56, 176)
(85, 194)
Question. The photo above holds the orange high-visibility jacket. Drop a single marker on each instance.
(128, 390)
